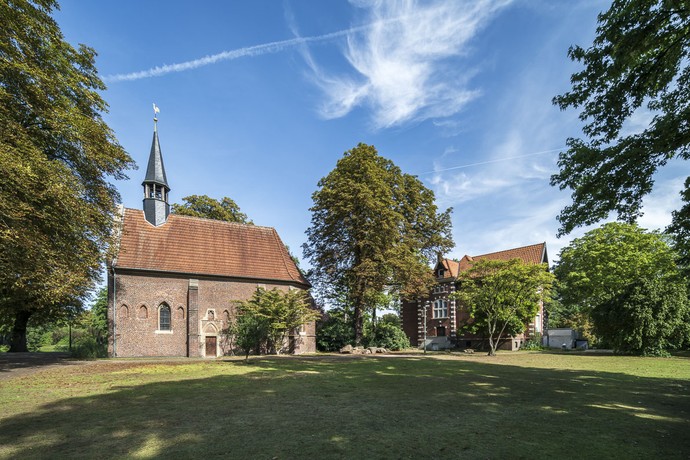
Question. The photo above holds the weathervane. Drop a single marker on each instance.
(156, 111)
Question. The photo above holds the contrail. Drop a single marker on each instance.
(255, 50)
(494, 161)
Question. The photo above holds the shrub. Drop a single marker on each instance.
(334, 333)
(390, 336)
(533, 344)
(87, 347)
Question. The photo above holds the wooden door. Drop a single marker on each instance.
(211, 346)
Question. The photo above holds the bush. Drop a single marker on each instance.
(334, 333)
(35, 337)
(86, 347)
(389, 336)
(533, 344)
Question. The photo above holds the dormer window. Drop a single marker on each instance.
(441, 272)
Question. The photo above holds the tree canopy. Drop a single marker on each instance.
(57, 156)
(269, 317)
(502, 297)
(210, 208)
(638, 62)
(373, 228)
(618, 268)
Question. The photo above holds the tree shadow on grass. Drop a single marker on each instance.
(12, 361)
(365, 408)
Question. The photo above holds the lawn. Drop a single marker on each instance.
(516, 405)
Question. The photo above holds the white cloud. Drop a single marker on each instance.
(249, 51)
(658, 205)
(401, 61)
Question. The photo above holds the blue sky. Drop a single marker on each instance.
(259, 99)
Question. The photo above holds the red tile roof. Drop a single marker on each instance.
(533, 254)
(452, 266)
(198, 246)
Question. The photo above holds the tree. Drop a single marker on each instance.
(334, 331)
(250, 333)
(276, 314)
(680, 231)
(568, 316)
(502, 296)
(96, 321)
(649, 317)
(210, 208)
(613, 266)
(639, 57)
(56, 158)
(373, 230)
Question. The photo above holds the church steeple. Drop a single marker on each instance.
(156, 207)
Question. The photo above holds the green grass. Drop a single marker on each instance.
(516, 405)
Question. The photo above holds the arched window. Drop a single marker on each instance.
(163, 317)
(143, 312)
(124, 311)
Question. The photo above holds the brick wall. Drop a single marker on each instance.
(133, 315)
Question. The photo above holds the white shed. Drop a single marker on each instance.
(557, 338)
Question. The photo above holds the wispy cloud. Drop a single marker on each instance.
(249, 51)
(496, 160)
(401, 66)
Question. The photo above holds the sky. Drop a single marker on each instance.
(259, 99)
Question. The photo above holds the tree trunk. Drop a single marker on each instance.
(492, 350)
(359, 325)
(18, 337)
(493, 345)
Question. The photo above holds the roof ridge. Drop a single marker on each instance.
(214, 220)
(508, 250)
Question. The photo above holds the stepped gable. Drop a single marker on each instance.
(198, 246)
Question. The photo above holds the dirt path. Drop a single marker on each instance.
(17, 364)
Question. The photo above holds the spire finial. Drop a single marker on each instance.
(156, 111)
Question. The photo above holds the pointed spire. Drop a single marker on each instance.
(156, 207)
(155, 171)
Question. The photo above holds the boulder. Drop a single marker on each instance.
(347, 349)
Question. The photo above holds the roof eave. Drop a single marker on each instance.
(305, 284)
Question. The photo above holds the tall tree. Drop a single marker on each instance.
(373, 228)
(649, 317)
(622, 263)
(210, 208)
(56, 158)
(502, 297)
(639, 58)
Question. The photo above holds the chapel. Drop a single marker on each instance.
(175, 281)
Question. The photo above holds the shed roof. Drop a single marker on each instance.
(193, 245)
